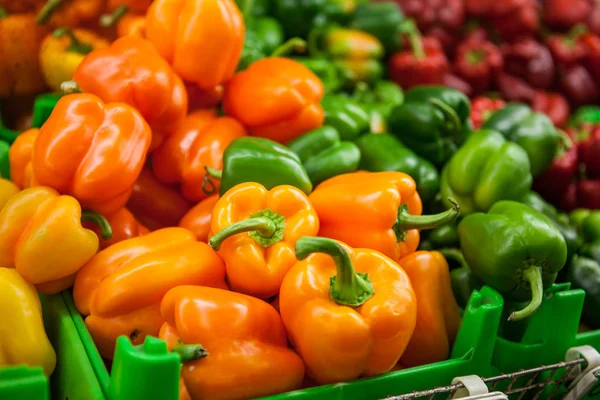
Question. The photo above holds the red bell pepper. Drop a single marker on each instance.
(529, 60)
(563, 14)
(452, 81)
(589, 149)
(478, 62)
(592, 57)
(593, 19)
(583, 194)
(514, 89)
(522, 22)
(578, 85)
(567, 49)
(554, 105)
(482, 107)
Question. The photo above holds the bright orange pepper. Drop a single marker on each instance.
(132, 25)
(204, 98)
(255, 230)
(21, 6)
(384, 208)
(200, 142)
(43, 239)
(276, 98)
(124, 226)
(8, 189)
(348, 312)
(19, 157)
(438, 315)
(91, 151)
(69, 13)
(210, 30)
(138, 6)
(246, 343)
(121, 287)
(131, 71)
(198, 218)
(154, 204)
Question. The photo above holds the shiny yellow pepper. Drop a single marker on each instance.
(7, 190)
(23, 339)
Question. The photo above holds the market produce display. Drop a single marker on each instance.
(289, 193)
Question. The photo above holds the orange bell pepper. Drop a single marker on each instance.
(199, 143)
(255, 230)
(132, 25)
(8, 189)
(21, 6)
(91, 151)
(204, 98)
(438, 315)
(198, 218)
(69, 13)
(245, 340)
(121, 287)
(384, 208)
(19, 157)
(348, 312)
(138, 6)
(210, 30)
(131, 71)
(276, 98)
(43, 239)
(20, 39)
(154, 204)
(124, 226)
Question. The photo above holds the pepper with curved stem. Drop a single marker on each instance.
(294, 45)
(406, 221)
(96, 218)
(109, 20)
(75, 46)
(532, 275)
(46, 12)
(265, 227)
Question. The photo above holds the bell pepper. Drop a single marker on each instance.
(325, 70)
(63, 51)
(379, 101)
(443, 236)
(567, 49)
(554, 105)
(132, 25)
(446, 15)
(201, 99)
(462, 279)
(263, 36)
(584, 273)
(585, 114)
(324, 155)
(24, 340)
(515, 250)
(478, 62)
(19, 48)
(275, 98)
(298, 17)
(381, 20)
(131, 71)
(124, 226)
(198, 219)
(7, 190)
(578, 85)
(584, 193)
(530, 60)
(385, 209)
(92, 151)
(481, 109)
(589, 148)
(137, 6)
(433, 121)
(213, 31)
(364, 292)
(563, 14)
(4, 160)
(119, 290)
(42, 236)
(438, 315)
(69, 13)
(512, 88)
(592, 58)
(156, 205)
(254, 231)
(534, 132)
(249, 159)
(383, 152)
(345, 115)
(20, 158)
(485, 170)
(245, 341)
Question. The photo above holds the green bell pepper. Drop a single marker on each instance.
(382, 97)
(383, 152)
(4, 160)
(382, 20)
(584, 273)
(6, 134)
(257, 8)
(299, 17)
(578, 215)
(531, 130)
(263, 36)
(514, 249)
(345, 115)
(463, 281)
(590, 226)
(444, 236)
(433, 121)
(325, 70)
(252, 159)
(324, 155)
(486, 169)
(585, 114)
(43, 106)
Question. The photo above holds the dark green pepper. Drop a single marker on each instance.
(531, 130)
(514, 249)
(444, 236)
(462, 279)
(585, 114)
(383, 152)
(299, 17)
(381, 20)
(325, 70)
(383, 96)
(345, 115)
(257, 8)
(263, 36)
(584, 273)
(590, 227)
(324, 155)
(4, 160)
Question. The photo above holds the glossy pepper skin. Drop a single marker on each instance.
(212, 30)
(324, 155)
(124, 226)
(20, 158)
(534, 132)
(199, 217)
(263, 36)
(326, 71)
(380, 20)
(385, 209)
(485, 170)
(69, 13)
(7, 190)
(120, 289)
(438, 315)
(42, 237)
(482, 108)
(530, 60)
(345, 115)
(254, 231)
(24, 339)
(132, 25)
(515, 250)
(384, 152)
(554, 105)
(92, 151)
(242, 335)
(63, 51)
(275, 98)
(379, 100)
(368, 295)
(433, 121)
(131, 71)
(584, 273)
(478, 62)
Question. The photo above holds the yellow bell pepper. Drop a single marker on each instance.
(7, 190)
(63, 50)
(23, 339)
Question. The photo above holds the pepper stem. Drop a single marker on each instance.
(208, 186)
(76, 46)
(533, 275)
(406, 221)
(293, 45)
(70, 87)
(189, 352)
(3, 13)
(265, 227)
(409, 28)
(47, 11)
(347, 287)
(95, 218)
(109, 20)
(454, 254)
(453, 121)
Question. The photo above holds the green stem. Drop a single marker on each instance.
(208, 186)
(47, 11)
(406, 221)
(453, 121)
(265, 227)
(247, 6)
(189, 352)
(214, 173)
(3, 13)
(109, 20)
(409, 28)
(314, 36)
(95, 218)
(347, 287)
(76, 46)
(454, 254)
(70, 87)
(293, 45)
(475, 57)
(533, 275)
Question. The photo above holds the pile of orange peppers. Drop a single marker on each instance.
(281, 289)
